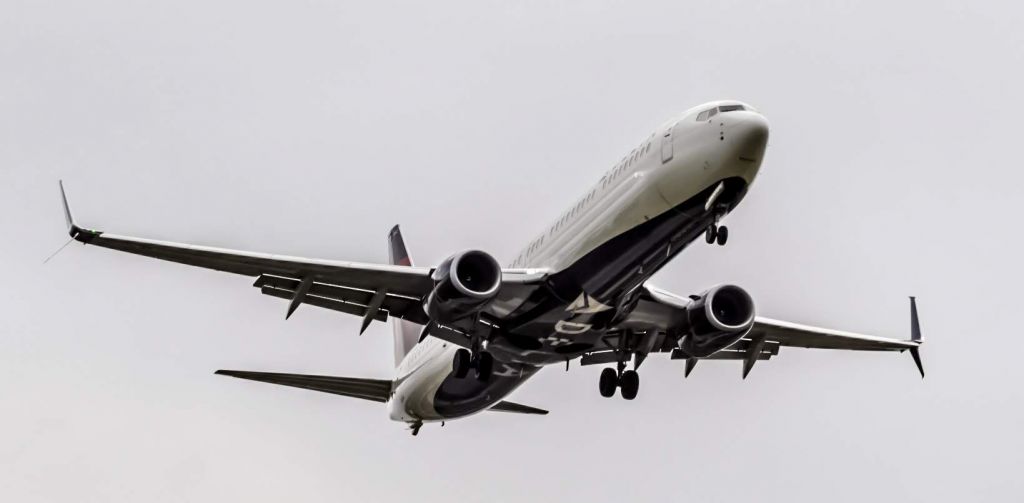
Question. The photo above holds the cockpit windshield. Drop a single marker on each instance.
(707, 114)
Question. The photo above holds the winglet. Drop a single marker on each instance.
(916, 354)
(915, 325)
(67, 211)
(76, 232)
(915, 335)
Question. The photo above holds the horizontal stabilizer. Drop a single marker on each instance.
(377, 390)
(517, 408)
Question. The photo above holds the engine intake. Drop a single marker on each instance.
(716, 320)
(463, 285)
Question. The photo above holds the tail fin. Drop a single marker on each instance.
(406, 332)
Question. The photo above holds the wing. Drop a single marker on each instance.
(372, 291)
(661, 311)
(803, 336)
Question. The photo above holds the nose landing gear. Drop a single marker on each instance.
(484, 365)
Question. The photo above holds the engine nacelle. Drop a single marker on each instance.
(716, 320)
(463, 285)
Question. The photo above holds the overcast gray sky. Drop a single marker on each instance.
(309, 128)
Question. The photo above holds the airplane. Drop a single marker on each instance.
(469, 332)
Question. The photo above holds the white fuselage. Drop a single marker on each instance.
(679, 160)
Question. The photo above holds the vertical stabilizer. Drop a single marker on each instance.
(406, 332)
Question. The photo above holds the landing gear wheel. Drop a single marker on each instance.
(484, 365)
(461, 363)
(723, 235)
(711, 234)
(630, 383)
(609, 381)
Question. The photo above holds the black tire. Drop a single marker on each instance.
(484, 365)
(609, 381)
(461, 363)
(723, 235)
(711, 234)
(630, 383)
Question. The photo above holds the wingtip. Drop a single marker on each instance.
(70, 222)
(231, 373)
(77, 233)
(915, 323)
(915, 335)
(916, 354)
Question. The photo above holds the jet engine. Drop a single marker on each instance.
(463, 285)
(716, 319)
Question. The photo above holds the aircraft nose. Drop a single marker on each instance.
(750, 136)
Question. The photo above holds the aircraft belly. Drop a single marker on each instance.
(414, 394)
(462, 397)
(433, 393)
(586, 297)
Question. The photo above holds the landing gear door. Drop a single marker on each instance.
(666, 145)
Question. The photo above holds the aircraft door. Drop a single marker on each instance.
(666, 145)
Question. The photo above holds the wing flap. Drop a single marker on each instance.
(332, 304)
(340, 298)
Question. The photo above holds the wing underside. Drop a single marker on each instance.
(374, 292)
(659, 311)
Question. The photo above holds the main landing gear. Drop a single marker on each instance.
(464, 361)
(628, 380)
(716, 233)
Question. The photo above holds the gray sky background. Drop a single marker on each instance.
(309, 128)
